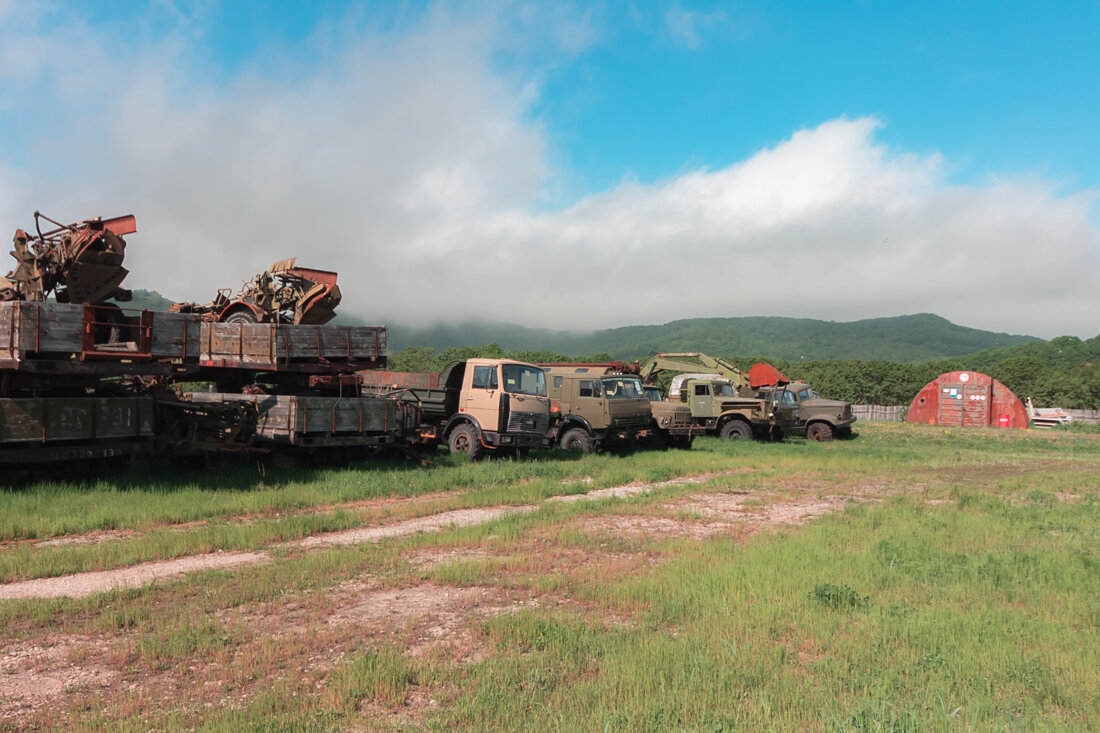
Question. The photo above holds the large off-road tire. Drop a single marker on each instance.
(576, 439)
(735, 430)
(819, 431)
(242, 316)
(464, 439)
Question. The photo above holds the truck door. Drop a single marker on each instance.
(700, 399)
(481, 400)
(589, 402)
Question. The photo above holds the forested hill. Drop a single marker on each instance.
(912, 338)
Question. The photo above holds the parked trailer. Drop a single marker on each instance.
(49, 430)
(61, 331)
(320, 422)
(95, 381)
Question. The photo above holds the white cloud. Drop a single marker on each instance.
(408, 162)
(687, 28)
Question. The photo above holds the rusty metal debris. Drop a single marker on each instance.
(77, 263)
(283, 293)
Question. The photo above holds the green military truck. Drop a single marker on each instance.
(592, 407)
(717, 409)
(671, 424)
(717, 405)
(808, 413)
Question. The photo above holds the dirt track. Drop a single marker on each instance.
(41, 678)
(721, 509)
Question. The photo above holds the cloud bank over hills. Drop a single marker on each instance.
(413, 162)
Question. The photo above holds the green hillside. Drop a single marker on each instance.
(148, 300)
(913, 338)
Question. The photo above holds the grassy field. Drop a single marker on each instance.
(914, 578)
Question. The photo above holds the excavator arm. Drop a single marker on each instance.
(759, 375)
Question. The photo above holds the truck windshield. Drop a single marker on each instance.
(807, 394)
(622, 388)
(724, 390)
(653, 393)
(521, 379)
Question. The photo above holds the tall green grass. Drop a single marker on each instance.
(981, 614)
(968, 599)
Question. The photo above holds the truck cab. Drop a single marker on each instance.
(809, 413)
(476, 405)
(717, 408)
(498, 403)
(671, 423)
(592, 408)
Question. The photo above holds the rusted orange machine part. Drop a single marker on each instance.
(766, 375)
(967, 399)
(79, 263)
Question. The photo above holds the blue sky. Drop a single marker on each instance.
(941, 157)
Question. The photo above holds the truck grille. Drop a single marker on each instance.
(634, 421)
(681, 419)
(528, 422)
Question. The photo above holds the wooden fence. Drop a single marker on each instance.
(879, 413)
(895, 413)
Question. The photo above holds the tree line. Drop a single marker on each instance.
(1063, 372)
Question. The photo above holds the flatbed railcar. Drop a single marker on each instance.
(90, 382)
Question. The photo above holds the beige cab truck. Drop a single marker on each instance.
(592, 407)
(475, 406)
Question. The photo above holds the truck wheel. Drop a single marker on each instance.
(735, 430)
(241, 316)
(576, 439)
(464, 440)
(820, 432)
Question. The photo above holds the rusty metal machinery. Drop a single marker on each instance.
(284, 293)
(77, 263)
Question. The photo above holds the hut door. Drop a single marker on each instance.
(964, 404)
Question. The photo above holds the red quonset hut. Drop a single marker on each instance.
(967, 400)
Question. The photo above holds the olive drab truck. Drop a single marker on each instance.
(715, 399)
(804, 411)
(811, 414)
(476, 406)
(671, 423)
(594, 406)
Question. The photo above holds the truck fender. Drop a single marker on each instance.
(570, 421)
(461, 419)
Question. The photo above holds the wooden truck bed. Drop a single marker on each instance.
(39, 332)
(313, 420)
